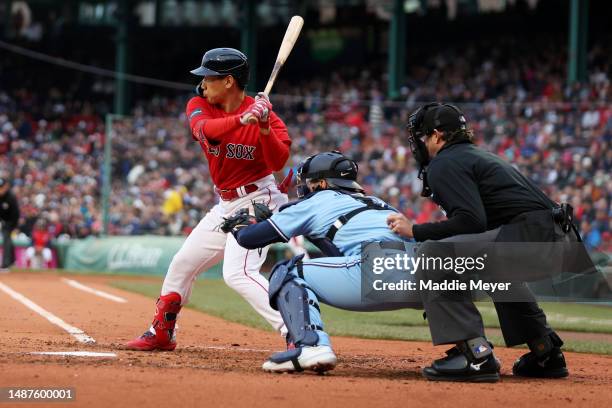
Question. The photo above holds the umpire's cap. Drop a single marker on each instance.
(225, 61)
(336, 168)
(443, 117)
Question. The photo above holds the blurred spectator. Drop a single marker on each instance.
(39, 256)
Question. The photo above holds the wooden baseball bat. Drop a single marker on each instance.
(291, 36)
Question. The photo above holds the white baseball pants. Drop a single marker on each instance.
(207, 245)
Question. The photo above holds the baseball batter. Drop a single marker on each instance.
(241, 158)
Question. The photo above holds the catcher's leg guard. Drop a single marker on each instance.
(161, 334)
(280, 274)
(298, 306)
(295, 304)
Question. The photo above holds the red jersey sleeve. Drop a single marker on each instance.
(204, 123)
(275, 146)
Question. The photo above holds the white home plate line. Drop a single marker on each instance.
(100, 293)
(75, 332)
(74, 353)
(235, 348)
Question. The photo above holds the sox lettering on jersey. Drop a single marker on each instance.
(234, 153)
(240, 151)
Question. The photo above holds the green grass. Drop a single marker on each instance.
(215, 298)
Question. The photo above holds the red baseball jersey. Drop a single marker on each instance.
(235, 156)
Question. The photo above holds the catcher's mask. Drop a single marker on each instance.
(339, 171)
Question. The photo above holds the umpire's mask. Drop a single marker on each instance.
(417, 131)
(422, 123)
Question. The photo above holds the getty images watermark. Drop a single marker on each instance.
(451, 271)
(404, 263)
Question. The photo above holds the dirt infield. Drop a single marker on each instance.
(218, 363)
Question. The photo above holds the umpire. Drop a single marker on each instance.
(9, 217)
(481, 195)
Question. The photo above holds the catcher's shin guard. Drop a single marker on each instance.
(296, 303)
(298, 306)
(161, 335)
(294, 306)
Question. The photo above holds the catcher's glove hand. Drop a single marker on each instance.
(261, 211)
(239, 220)
(242, 218)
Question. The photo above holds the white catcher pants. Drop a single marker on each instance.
(207, 245)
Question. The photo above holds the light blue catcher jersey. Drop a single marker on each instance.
(314, 216)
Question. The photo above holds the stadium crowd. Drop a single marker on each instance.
(51, 145)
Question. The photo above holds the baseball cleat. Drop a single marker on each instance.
(149, 342)
(312, 358)
(162, 334)
(551, 365)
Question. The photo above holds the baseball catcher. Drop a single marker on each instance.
(335, 215)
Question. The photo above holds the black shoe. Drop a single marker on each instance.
(457, 367)
(550, 365)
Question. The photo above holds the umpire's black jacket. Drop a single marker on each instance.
(478, 191)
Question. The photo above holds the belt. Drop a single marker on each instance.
(393, 245)
(397, 245)
(234, 193)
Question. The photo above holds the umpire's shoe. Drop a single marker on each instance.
(545, 360)
(312, 358)
(470, 361)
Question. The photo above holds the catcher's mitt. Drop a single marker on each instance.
(242, 218)
(262, 212)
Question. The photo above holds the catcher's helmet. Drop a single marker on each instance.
(339, 171)
(225, 61)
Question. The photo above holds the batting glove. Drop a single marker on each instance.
(261, 95)
(253, 112)
(246, 116)
(265, 106)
